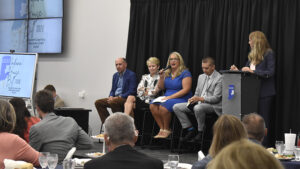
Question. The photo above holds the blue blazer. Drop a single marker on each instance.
(129, 84)
(266, 70)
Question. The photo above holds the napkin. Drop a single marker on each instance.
(289, 140)
(12, 164)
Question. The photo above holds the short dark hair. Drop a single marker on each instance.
(208, 59)
(50, 88)
(255, 126)
(45, 101)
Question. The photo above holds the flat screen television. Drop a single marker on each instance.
(17, 74)
(33, 26)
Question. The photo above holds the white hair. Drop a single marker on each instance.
(120, 128)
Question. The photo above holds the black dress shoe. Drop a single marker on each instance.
(189, 135)
(197, 138)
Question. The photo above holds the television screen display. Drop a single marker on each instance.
(13, 35)
(17, 74)
(45, 8)
(31, 26)
(13, 9)
(42, 33)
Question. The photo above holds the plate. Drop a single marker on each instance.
(180, 166)
(81, 162)
(95, 155)
(99, 136)
(284, 157)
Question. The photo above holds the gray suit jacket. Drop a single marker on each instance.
(58, 134)
(213, 91)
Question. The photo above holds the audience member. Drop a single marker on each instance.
(255, 126)
(24, 119)
(123, 85)
(58, 101)
(226, 130)
(55, 134)
(178, 82)
(207, 99)
(120, 137)
(261, 61)
(11, 145)
(244, 154)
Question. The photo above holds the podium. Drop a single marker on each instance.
(240, 93)
(80, 115)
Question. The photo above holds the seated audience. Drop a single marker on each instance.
(207, 99)
(120, 137)
(24, 119)
(244, 154)
(55, 134)
(178, 83)
(123, 85)
(255, 126)
(226, 130)
(58, 101)
(146, 91)
(11, 145)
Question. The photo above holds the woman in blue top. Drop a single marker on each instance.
(178, 82)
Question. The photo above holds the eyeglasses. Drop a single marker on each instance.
(173, 59)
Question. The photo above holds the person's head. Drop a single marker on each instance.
(121, 64)
(208, 65)
(21, 112)
(7, 117)
(52, 89)
(244, 154)
(44, 102)
(119, 129)
(259, 45)
(176, 62)
(153, 65)
(227, 129)
(255, 126)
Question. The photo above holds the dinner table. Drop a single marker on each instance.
(290, 164)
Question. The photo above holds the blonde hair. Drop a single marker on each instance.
(7, 117)
(181, 66)
(153, 60)
(244, 154)
(227, 129)
(260, 47)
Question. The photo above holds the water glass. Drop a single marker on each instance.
(52, 161)
(173, 161)
(297, 153)
(280, 147)
(43, 159)
(68, 164)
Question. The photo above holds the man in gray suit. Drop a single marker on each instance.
(55, 134)
(207, 99)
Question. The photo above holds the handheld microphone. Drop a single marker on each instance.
(168, 67)
(145, 84)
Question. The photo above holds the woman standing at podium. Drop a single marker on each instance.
(261, 61)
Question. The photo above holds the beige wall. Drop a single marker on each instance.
(95, 33)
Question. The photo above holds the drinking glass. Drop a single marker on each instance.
(173, 161)
(43, 159)
(297, 153)
(52, 160)
(280, 147)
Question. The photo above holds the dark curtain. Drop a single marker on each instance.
(220, 28)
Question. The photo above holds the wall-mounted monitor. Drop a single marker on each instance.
(17, 74)
(31, 26)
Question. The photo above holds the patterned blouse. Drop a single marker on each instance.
(150, 83)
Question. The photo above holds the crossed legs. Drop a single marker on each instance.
(116, 105)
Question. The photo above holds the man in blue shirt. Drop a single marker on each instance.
(123, 85)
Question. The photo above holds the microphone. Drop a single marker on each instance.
(145, 84)
(168, 67)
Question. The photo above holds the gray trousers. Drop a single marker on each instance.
(200, 111)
